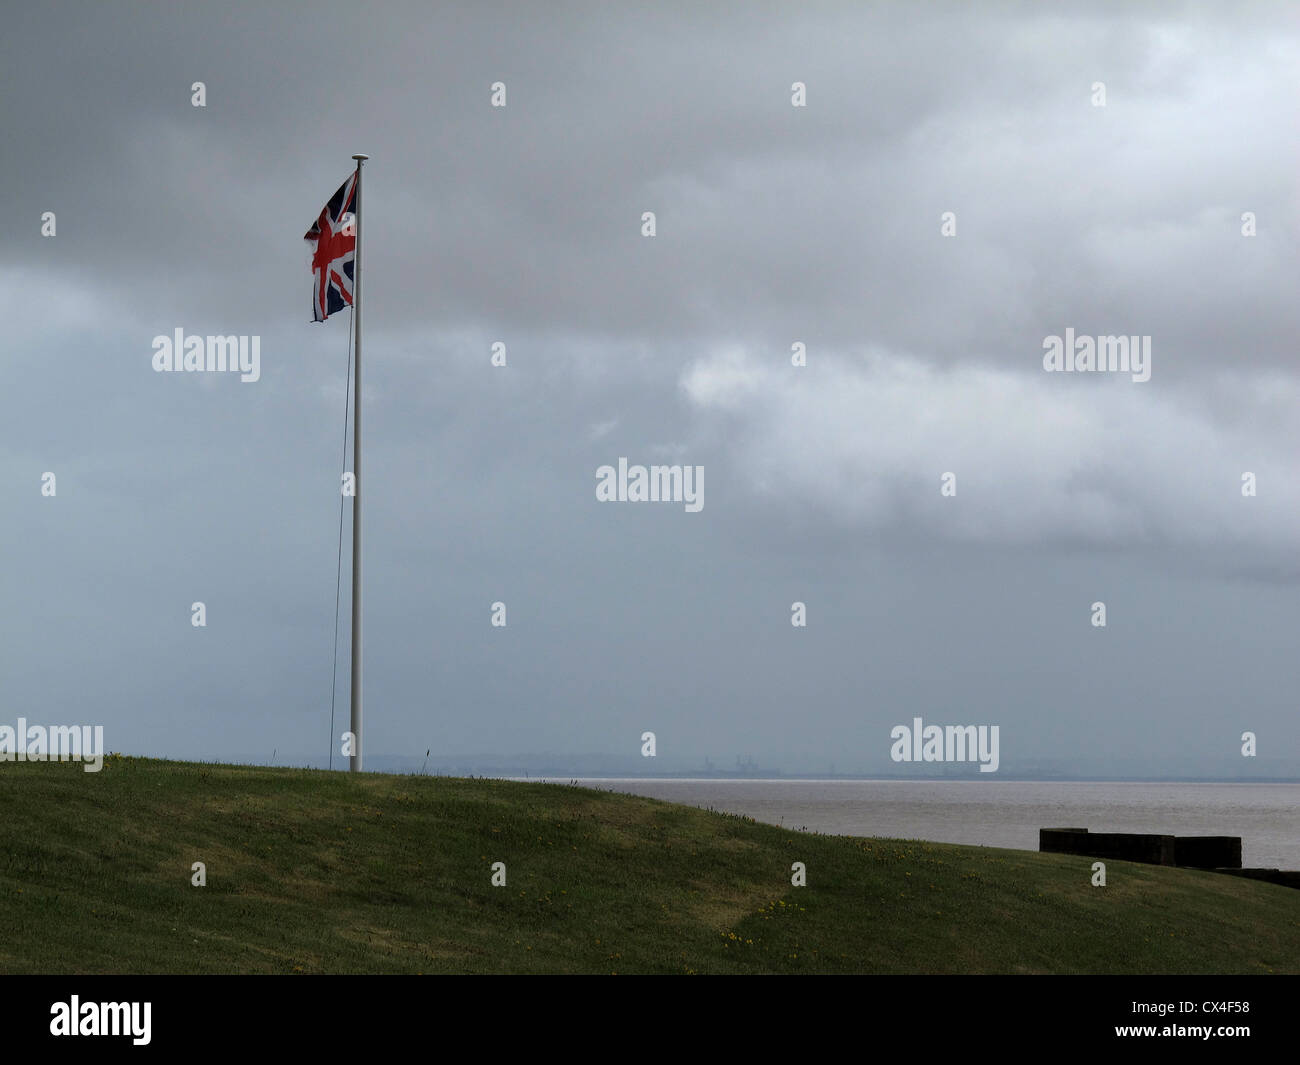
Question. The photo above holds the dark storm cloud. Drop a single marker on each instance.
(775, 224)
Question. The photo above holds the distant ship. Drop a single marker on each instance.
(744, 769)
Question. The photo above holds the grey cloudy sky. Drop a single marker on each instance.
(776, 224)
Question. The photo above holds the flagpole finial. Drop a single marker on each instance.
(360, 158)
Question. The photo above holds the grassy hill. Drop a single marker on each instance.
(316, 872)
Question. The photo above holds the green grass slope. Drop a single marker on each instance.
(317, 872)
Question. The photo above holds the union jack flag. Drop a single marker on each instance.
(335, 236)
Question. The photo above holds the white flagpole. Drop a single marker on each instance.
(354, 764)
